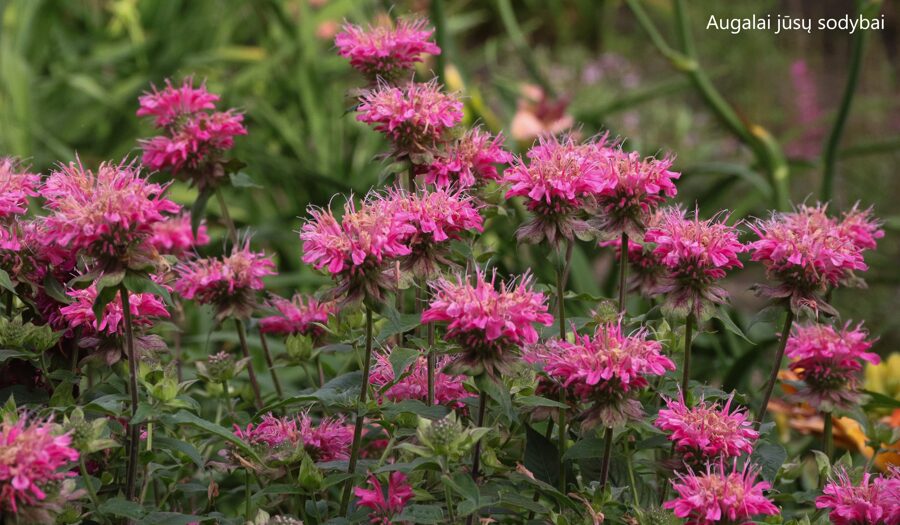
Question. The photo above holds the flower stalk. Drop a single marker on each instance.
(134, 430)
(776, 366)
(271, 364)
(476, 450)
(245, 350)
(360, 418)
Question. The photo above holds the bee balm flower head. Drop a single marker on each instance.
(299, 315)
(16, 186)
(707, 430)
(175, 235)
(720, 495)
(386, 51)
(876, 499)
(448, 389)
(145, 307)
(470, 161)
(386, 505)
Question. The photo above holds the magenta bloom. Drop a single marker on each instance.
(174, 236)
(174, 103)
(355, 250)
(385, 505)
(490, 324)
(109, 214)
(327, 439)
(559, 181)
(605, 369)
(807, 252)
(471, 160)
(828, 362)
(707, 430)
(298, 315)
(145, 307)
(385, 51)
(695, 254)
(720, 497)
(414, 116)
(32, 457)
(281, 437)
(635, 187)
(229, 283)
(875, 500)
(448, 389)
(16, 186)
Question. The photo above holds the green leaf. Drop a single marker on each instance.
(168, 518)
(586, 449)
(198, 209)
(7, 354)
(769, 457)
(242, 180)
(729, 325)
(397, 323)
(414, 406)
(122, 507)
(541, 456)
(401, 358)
(110, 280)
(186, 418)
(55, 290)
(6, 282)
(104, 297)
(538, 401)
(877, 400)
(140, 282)
(422, 514)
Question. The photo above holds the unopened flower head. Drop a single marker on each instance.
(414, 116)
(413, 384)
(386, 51)
(108, 214)
(828, 361)
(696, 253)
(33, 457)
(707, 431)
(175, 235)
(386, 505)
(720, 495)
(876, 499)
(17, 184)
(229, 283)
(470, 161)
(298, 315)
(145, 308)
(491, 323)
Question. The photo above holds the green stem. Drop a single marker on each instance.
(561, 277)
(440, 38)
(226, 217)
(448, 496)
(242, 336)
(134, 430)
(631, 479)
(828, 436)
(830, 152)
(320, 371)
(88, 484)
(228, 405)
(776, 366)
(247, 505)
(508, 17)
(271, 364)
(476, 451)
(688, 342)
(607, 454)
(360, 416)
(431, 363)
(623, 272)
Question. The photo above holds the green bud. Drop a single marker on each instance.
(220, 367)
(299, 347)
(310, 477)
(607, 312)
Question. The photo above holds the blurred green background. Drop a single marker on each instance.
(71, 72)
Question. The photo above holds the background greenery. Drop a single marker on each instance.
(71, 72)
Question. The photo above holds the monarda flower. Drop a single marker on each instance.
(808, 252)
(696, 253)
(230, 283)
(470, 161)
(16, 186)
(707, 431)
(171, 104)
(298, 315)
(605, 369)
(414, 116)
(175, 236)
(635, 188)
(828, 363)
(33, 459)
(720, 496)
(437, 217)
(145, 307)
(386, 505)
(413, 383)
(386, 51)
(490, 324)
(559, 181)
(875, 500)
(109, 214)
(287, 439)
(356, 249)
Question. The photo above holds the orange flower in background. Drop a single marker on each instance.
(537, 114)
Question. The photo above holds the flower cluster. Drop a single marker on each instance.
(707, 431)
(385, 505)
(874, 500)
(297, 315)
(32, 457)
(16, 186)
(385, 51)
(490, 324)
(695, 254)
(283, 439)
(195, 136)
(828, 362)
(807, 252)
(720, 496)
(175, 235)
(413, 383)
(144, 307)
(469, 161)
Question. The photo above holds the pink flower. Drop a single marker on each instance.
(298, 315)
(325, 440)
(385, 506)
(469, 161)
(828, 361)
(32, 458)
(175, 235)
(875, 500)
(229, 283)
(559, 181)
(109, 214)
(448, 389)
(707, 430)
(174, 103)
(635, 187)
(414, 116)
(144, 308)
(696, 254)
(807, 252)
(385, 51)
(490, 324)
(604, 369)
(720, 497)
(16, 186)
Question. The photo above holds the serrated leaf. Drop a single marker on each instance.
(586, 449)
(6, 282)
(729, 325)
(400, 359)
(397, 323)
(769, 457)
(541, 456)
